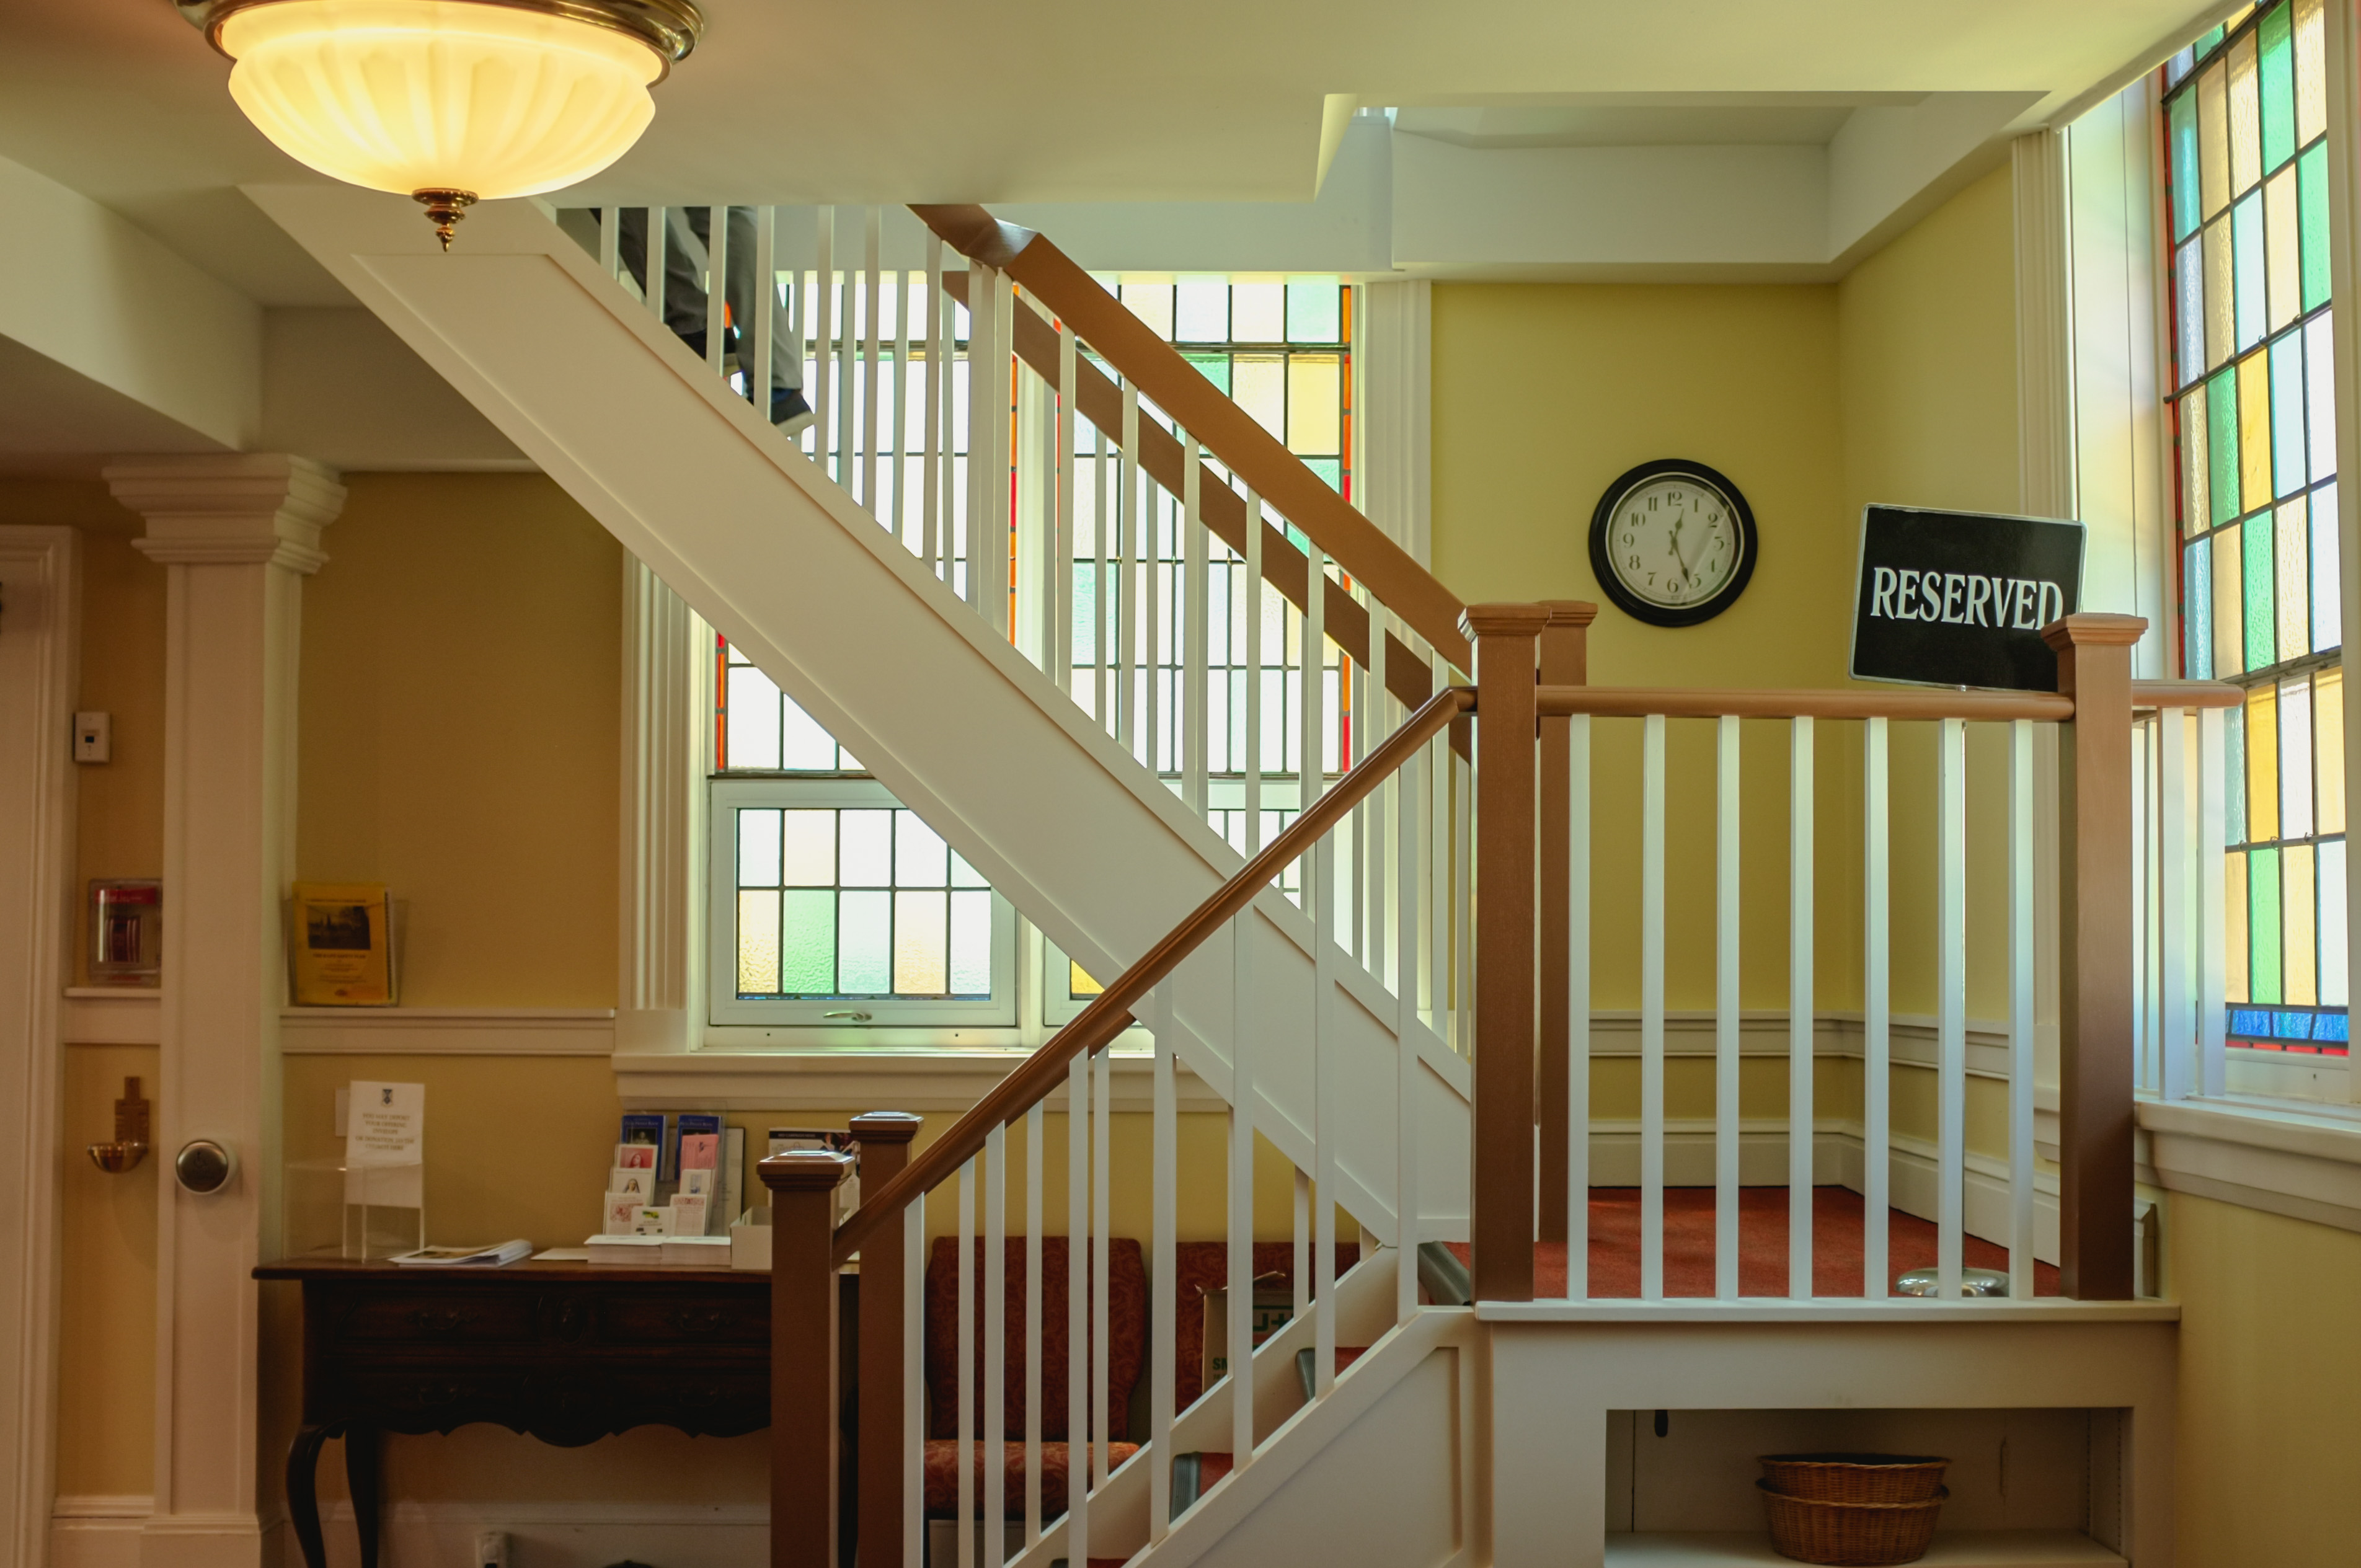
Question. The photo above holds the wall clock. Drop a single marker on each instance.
(1673, 542)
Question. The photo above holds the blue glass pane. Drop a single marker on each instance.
(2196, 611)
(2250, 1021)
(2332, 1026)
(2292, 1025)
(2184, 166)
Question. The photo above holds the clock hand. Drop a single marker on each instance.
(1688, 577)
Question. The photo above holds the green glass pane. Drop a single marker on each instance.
(2184, 166)
(1330, 469)
(2312, 197)
(2263, 923)
(807, 942)
(2197, 612)
(971, 944)
(2261, 625)
(2246, 258)
(2208, 41)
(2288, 433)
(2221, 444)
(864, 944)
(2279, 89)
(2234, 776)
(1314, 310)
(1214, 368)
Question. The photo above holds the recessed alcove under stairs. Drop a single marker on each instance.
(2029, 1489)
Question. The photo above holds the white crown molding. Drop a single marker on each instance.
(246, 508)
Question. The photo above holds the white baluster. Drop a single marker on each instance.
(872, 282)
(900, 467)
(821, 317)
(2212, 828)
(933, 528)
(717, 289)
(1578, 1007)
(1375, 714)
(1726, 1058)
(1078, 1322)
(914, 1384)
(1323, 1120)
(1800, 1128)
(1002, 554)
(996, 1346)
(1163, 1289)
(980, 317)
(1253, 597)
(1195, 698)
(1103, 586)
(1239, 1261)
(2177, 872)
(1301, 1235)
(761, 366)
(1102, 1128)
(1407, 1083)
(2020, 1005)
(1127, 570)
(1462, 901)
(1311, 777)
(1876, 1009)
(1036, 1157)
(1652, 1008)
(1952, 1003)
(968, 1430)
(1061, 557)
(1441, 884)
(610, 241)
(1152, 656)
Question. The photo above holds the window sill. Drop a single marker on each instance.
(2281, 1156)
(848, 1080)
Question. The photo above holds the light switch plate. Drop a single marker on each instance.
(94, 736)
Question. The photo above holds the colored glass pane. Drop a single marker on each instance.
(2213, 137)
(753, 737)
(2310, 71)
(1258, 313)
(2189, 311)
(1152, 303)
(2328, 746)
(1200, 309)
(921, 945)
(2292, 590)
(2195, 503)
(2327, 582)
(2254, 432)
(1315, 404)
(2218, 298)
(2221, 444)
(1314, 310)
(2183, 131)
(2263, 926)
(864, 944)
(2234, 776)
(2246, 128)
(2251, 319)
(806, 944)
(2234, 926)
(2288, 470)
(1214, 368)
(807, 849)
(2333, 986)
(2275, 70)
(1259, 383)
(758, 941)
(1330, 471)
(2196, 611)
(2229, 606)
(921, 859)
(2283, 253)
(2261, 624)
(2311, 198)
(2299, 906)
(2262, 765)
(2295, 759)
(2319, 396)
(970, 943)
(758, 848)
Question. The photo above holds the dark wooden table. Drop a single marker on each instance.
(562, 1352)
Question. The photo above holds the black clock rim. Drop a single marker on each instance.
(1602, 566)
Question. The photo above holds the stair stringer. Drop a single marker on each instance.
(952, 718)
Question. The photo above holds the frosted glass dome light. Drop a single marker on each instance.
(451, 101)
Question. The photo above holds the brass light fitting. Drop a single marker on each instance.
(130, 1145)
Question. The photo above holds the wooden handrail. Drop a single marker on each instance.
(1681, 702)
(1109, 1014)
(2185, 694)
(1225, 429)
(1408, 676)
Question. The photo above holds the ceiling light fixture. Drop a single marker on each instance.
(449, 102)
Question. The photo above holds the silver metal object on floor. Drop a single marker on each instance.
(1972, 1282)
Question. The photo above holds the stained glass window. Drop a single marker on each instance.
(833, 904)
(2254, 413)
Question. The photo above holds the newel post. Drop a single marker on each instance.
(803, 1184)
(1565, 662)
(2095, 1051)
(1506, 639)
(884, 1138)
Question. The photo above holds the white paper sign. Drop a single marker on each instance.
(385, 1141)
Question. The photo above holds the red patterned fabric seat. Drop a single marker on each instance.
(942, 1476)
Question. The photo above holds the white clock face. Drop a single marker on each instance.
(1674, 540)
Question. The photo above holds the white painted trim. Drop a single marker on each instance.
(40, 644)
(2045, 1310)
(666, 678)
(2345, 335)
(2305, 1164)
(100, 1015)
(93, 1539)
(548, 1534)
(864, 1077)
(448, 1031)
(1394, 361)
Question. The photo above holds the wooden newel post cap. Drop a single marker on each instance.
(2095, 631)
(1505, 619)
(887, 1128)
(1570, 612)
(804, 1170)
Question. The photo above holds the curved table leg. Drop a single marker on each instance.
(303, 1493)
(361, 1475)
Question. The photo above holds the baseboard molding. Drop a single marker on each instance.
(555, 1534)
(97, 1532)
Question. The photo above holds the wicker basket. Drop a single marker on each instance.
(1854, 1477)
(1853, 1534)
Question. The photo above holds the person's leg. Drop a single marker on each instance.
(788, 409)
(687, 230)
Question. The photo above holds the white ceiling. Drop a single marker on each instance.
(1067, 101)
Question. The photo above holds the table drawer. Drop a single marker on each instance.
(402, 1316)
(672, 1318)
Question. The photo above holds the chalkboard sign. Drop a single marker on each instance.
(1956, 598)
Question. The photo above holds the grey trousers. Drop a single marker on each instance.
(687, 235)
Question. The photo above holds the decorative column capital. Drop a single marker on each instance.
(238, 509)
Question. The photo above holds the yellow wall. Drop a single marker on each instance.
(2270, 1382)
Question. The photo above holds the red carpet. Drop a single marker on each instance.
(1761, 1244)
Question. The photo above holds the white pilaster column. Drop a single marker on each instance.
(667, 686)
(237, 535)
